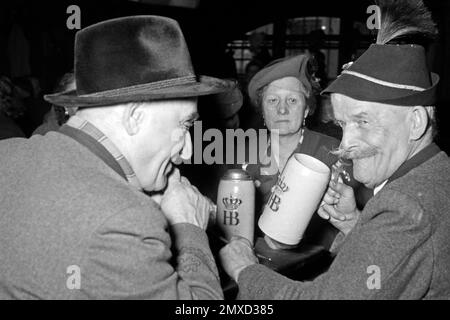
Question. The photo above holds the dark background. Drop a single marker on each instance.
(207, 28)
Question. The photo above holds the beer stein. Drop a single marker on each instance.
(294, 199)
(236, 205)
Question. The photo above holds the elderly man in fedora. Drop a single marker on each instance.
(75, 223)
(398, 247)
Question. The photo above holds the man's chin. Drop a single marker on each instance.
(163, 179)
(360, 172)
(363, 180)
(158, 186)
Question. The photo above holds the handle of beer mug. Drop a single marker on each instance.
(334, 179)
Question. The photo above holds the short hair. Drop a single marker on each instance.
(432, 123)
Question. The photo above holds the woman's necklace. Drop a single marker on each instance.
(269, 170)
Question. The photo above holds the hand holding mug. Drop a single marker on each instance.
(236, 256)
(183, 203)
(339, 206)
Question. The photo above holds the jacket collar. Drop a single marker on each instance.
(98, 143)
(93, 146)
(422, 156)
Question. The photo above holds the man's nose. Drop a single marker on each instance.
(349, 138)
(186, 152)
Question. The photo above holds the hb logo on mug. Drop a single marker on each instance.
(275, 200)
(231, 215)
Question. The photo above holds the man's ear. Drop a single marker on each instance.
(133, 115)
(419, 122)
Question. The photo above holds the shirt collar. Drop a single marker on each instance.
(89, 129)
(378, 189)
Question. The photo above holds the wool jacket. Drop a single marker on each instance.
(72, 228)
(399, 248)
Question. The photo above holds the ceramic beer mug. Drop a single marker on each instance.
(236, 205)
(294, 199)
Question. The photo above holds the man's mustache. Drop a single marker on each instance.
(360, 153)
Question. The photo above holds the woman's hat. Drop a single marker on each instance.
(390, 74)
(139, 58)
(297, 67)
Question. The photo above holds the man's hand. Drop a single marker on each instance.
(183, 203)
(236, 256)
(339, 206)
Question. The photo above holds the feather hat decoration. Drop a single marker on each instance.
(405, 22)
(394, 71)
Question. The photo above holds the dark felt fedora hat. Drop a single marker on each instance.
(390, 74)
(139, 58)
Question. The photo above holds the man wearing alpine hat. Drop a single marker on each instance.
(398, 247)
(75, 223)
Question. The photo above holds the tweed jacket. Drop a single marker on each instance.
(399, 248)
(73, 228)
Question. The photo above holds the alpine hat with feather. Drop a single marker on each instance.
(132, 59)
(394, 70)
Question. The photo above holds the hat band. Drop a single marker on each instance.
(382, 82)
(146, 86)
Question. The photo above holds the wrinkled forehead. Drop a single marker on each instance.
(345, 108)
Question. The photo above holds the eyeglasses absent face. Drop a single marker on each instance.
(375, 137)
(164, 138)
(284, 105)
